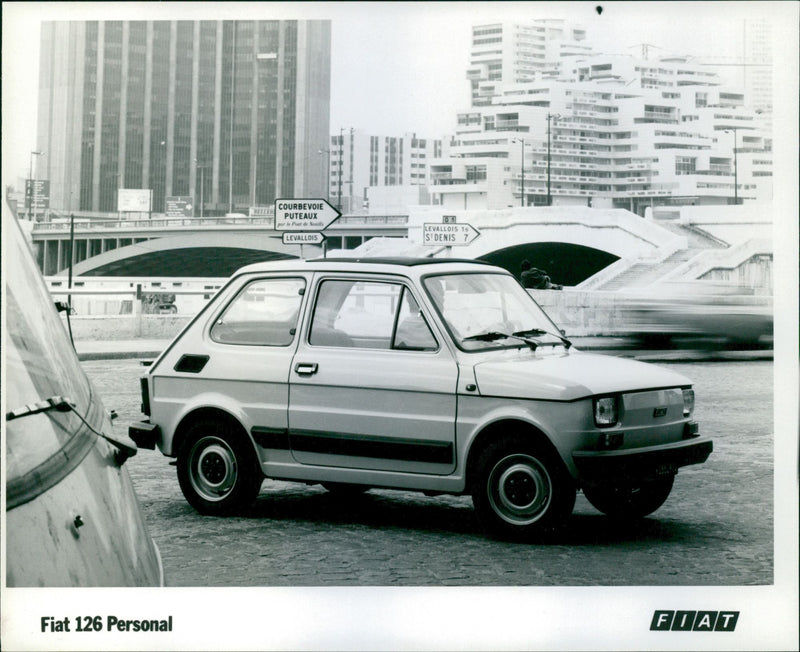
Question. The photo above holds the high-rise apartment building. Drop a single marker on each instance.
(228, 113)
(604, 131)
(512, 53)
(757, 68)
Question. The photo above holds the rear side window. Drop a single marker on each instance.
(264, 313)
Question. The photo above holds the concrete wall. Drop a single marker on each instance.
(126, 327)
(579, 313)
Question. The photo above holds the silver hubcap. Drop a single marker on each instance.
(212, 468)
(520, 489)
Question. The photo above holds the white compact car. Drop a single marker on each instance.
(436, 375)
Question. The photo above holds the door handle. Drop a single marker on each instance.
(306, 368)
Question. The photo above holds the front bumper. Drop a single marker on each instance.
(603, 467)
(144, 433)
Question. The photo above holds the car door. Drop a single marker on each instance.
(371, 386)
(249, 350)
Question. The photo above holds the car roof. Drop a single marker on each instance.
(366, 264)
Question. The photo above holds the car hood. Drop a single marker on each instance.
(571, 376)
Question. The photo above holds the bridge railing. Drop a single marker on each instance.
(97, 297)
(83, 224)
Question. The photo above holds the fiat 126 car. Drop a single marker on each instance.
(435, 375)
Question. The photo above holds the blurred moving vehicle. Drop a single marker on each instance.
(706, 313)
(72, 516)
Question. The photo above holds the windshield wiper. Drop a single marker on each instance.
(58, 403)
(125, 447)
(491, 336)
(538, 331)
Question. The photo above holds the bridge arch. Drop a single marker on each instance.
(565, 263)
(570, 242)
(197, 254)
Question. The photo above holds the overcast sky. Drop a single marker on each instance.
(396, 67)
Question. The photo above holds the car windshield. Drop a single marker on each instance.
(489, 310)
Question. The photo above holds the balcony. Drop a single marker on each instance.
(464, 187)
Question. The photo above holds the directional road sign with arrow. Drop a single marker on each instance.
(303, 214)
(448, 235)
(291, 237)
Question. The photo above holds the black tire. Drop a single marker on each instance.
(630, 501)
(345, 489)
(520, 490)
(217, 468)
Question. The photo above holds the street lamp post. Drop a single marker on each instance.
(733, 130)
(522, 180)
(230, 136)
(202, 169)
(550, 116)
(29, 193)
(120, 183)
(327, 172)
(341, 165)
(522, 164)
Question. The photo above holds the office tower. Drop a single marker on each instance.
(230, 113)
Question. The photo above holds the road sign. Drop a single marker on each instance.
(261, 211)
(303, 214)
(134, 200)
(39, 194)
(293, 237)
(179, 207)
(448, 235)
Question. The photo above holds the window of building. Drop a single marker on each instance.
(685, 165)
(475, 172)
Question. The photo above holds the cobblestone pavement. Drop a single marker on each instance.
(715, 529)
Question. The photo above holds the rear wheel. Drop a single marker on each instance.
(520, 490)
(630, 501)
(217, 468)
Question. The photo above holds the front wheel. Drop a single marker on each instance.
(630, 501)
(217, 469)
(521, 491)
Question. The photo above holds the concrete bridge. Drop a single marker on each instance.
(588, 248)
(207, 247)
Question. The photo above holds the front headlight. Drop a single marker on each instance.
(606, 412)
(688, 401)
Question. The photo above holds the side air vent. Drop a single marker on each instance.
(192, 364)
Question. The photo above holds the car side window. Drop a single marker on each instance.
(368, 314)
(264, 313)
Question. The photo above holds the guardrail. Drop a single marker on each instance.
(83, 224)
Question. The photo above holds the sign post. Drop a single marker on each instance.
(302, 220)
(40, 196)
(448, 234)
(315, 238)
(134, 200)
(179, 206)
